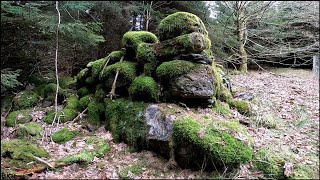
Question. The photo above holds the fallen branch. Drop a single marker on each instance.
(43, 161)
(79, 115)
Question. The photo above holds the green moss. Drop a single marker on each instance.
(84, 101)
(223, 109)
(83, 92)
(32, 128)
(127, 72)
(221, 91)
(146, 53)
(180, 23)
(96, 66)
(242, 106)
(50, 89)
(126, 122)
(96, 112)
(63, 135)
(82, 75)
(100, 149)
(201, 140)
(18, 117)
(68, 115)
(25, 99)
(172, 69)
(132, 39)
(136, 169)
(67, 82)
(270, 163)
(144, 88)
(50, 116)
(72, 102)
(100, 93)
(20, 152)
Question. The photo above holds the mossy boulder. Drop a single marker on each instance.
(68, 115)
(132, 39)
(100, 93)
(72, 102)
(25, 99)
(180, 23)
(65, 115)
(63, 135)
(127, 73)
(18, 117)
(100, 148)
(84, 101)
(184, 44)
(144, 88)
(96, 66)
(30, 129)
(19, 153)
(90, 81)
(222, 92)
(96, 112)
(193, 141)
(49, 92)
(83, 92)
(146, 53)
(125, 120)
(194, 87)
(171, 69)
(82, 76)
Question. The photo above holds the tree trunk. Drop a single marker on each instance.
(242, 51)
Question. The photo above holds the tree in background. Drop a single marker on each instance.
(257, 32)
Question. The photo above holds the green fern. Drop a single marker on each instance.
(9, 79)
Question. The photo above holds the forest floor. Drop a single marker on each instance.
(286, 116)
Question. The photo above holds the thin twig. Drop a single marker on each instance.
(43, 161)
(79, 115)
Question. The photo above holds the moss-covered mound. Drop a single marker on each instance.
(171, 69)
(100, 93)
(82, 76)
(96, 112)
(21, 152)
(132, 39)
(180, 23)
(63, 135)
(100, 148)
(25, 99)
(146, 53)
(242, 106)
(96, 66)
(127, 73)
(18, 117)
(83, 92)
(72, 102)
(126, 122)
(144, 88)
(66, 115)
(30, 129)
(197, 141)
(84, 101)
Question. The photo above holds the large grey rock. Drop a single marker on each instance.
(197, 84)
(160, 129)
(160, 125)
